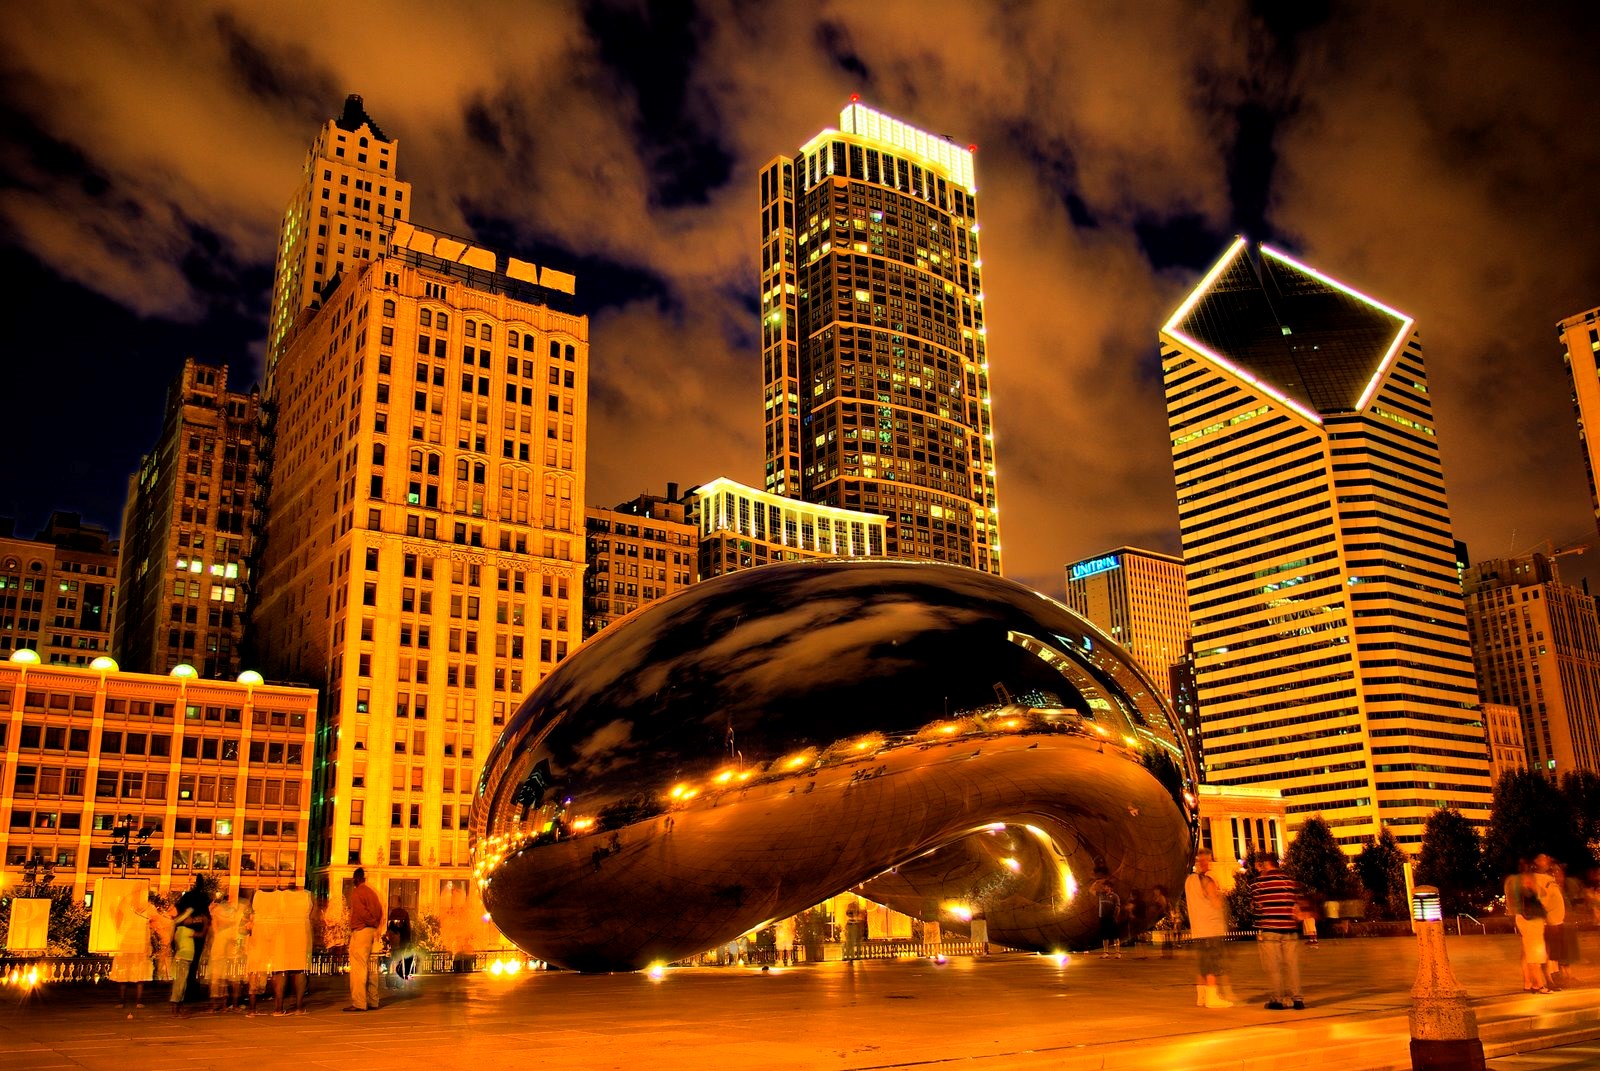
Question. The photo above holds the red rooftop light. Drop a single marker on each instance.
(855, 98)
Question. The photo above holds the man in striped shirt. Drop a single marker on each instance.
(1275, 896)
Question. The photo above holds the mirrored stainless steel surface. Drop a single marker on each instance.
(946, 741)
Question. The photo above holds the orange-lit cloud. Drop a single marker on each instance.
(1445, 165)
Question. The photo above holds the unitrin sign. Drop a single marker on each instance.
(1095, 566)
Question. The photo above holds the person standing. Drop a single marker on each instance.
(366, 922)
(1551, 880)
(1208, 926)
(1525, 908)
(1275, 895)
(1109, 906)
(194, 911)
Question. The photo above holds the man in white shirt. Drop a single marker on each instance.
(1208, 925)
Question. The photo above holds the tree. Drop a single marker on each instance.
(1530, 815)
(1381, 867)
(1581, 789)
(1452, 860)
(1315, 860)
(1241, 912)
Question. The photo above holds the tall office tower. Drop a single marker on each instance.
(1580, 352)
(1137, 597)
(58, 592)
(1331, 647)
(638, 551)
(1537, 645)
(877, 376)
(741, 528)
(189, 531)
(424, 549)
(348, 201)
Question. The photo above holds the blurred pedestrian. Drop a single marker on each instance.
(132, 965)
(223, 957)
(1524, 906)
(189, 927)
(401, 953)
(1551, 881)
(1274, 896)
(1208, 926)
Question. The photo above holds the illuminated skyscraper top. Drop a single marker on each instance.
(1330, 642)
(873, 337)
(348, 201)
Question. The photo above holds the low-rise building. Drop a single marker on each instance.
(741, 528)
(167, 777)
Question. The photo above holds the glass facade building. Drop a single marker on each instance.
(873, 339)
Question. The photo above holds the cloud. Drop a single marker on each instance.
(1446, 172)
(1442, 164)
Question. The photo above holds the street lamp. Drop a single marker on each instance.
(1444, 1028)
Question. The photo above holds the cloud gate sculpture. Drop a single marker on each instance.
(941, 740)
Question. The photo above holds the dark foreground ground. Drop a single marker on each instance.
(1002, 1012)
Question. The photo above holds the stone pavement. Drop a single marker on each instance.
(1008, 1012)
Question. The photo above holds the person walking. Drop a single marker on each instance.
(366, 922)
(1109, 906)
(1275, 895)
(1524, 906)
(1208, 926)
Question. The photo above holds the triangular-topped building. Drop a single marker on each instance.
(1331, 651)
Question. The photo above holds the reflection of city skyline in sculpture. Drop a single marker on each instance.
(941, 740)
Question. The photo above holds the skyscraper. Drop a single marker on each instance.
(1331, 650)
(424, 549)
(348, 201)
(1580, 352)
(1137, 597)
(189, 531)
(873, 337)
(1537, 644)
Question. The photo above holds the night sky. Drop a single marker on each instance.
(1444, 160)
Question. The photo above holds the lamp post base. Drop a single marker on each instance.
(1454, 1054)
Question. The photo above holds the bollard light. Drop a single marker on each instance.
(1444, 1028)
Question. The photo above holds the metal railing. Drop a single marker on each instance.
(55, 969)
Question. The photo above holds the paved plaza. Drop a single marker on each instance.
(1008, 1011)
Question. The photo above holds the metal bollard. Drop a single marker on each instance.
(1444, 1028)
